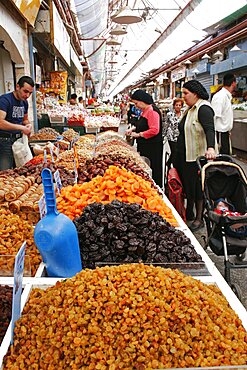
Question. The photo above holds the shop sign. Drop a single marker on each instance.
(178, 74)
(58, 85)
(28, 8)
(38, 74)
(61, 37)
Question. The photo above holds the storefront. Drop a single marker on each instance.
(236, 64)
(177, 80)
(14, 49)
(201, 72)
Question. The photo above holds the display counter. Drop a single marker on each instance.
(239, 132)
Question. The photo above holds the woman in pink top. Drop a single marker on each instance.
(148, 132)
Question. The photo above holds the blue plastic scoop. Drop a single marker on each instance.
(56, 237)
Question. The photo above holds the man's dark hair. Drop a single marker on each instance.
(73, 96)
(25, 79)
(228, 79)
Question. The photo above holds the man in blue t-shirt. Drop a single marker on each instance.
(14, 119)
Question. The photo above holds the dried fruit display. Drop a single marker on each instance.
(45, 133)
(70, 134)
(66, 159)
(98, 165)
(116, 183)
(123, 151)
(13, 232)
(13, 188)
(121, 232)
(5, 309)
(67, 177)
(128, 317)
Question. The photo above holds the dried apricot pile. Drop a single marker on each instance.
(116, 183)
(13, 232)
(127, 317)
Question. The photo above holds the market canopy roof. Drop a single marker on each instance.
(167, 29)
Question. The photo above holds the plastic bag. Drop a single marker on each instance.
(21, 151)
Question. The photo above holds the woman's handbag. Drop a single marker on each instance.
(21, 151)
(175, 192)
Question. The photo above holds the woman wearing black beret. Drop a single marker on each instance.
(196, 138)
(148, 132)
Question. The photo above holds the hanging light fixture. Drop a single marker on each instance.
(206, 56)
(218, 53)
(113, 42)
(235, 48)
(195, 71)
(187, 62)
(126, 16)
(119, 30)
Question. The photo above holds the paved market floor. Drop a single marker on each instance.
(238, 277)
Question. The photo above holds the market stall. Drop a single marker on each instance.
(239, 131)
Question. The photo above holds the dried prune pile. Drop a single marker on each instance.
(121, 232)
(5, 309)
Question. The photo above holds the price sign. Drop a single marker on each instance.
(58, 181)
(17, 289)
(52, 157)
(45, 156)
(42, 206)
(75, 170)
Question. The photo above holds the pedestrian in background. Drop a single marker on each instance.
(223, 119)
(14, 119)
(148, 132)
(73, 99)
(172, 120)
(196, 138)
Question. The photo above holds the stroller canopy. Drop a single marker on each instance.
(225, 180)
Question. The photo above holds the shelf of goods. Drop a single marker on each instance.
(203, 271)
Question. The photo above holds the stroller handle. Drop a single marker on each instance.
(202, 160)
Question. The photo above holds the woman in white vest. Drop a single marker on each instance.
(196, 138)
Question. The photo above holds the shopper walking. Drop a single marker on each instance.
(14, 119)
(196, 138)
(148, 132)
(223, 119)
(172, 120)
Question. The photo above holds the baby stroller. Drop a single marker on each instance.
(224, 178)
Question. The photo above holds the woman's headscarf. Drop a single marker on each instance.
(143, 96)
(197, 88)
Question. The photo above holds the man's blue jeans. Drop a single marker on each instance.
(6, 154)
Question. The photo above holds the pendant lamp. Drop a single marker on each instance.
(187, 62)
(119, 30)
(126, 16)
(206, 56)
(113, 42)
(218, 53)
(235, 48)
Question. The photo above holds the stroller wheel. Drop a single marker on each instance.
(240, 257)
(237, 291)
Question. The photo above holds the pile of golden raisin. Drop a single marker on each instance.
(131, 316)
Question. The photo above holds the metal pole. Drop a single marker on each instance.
(35, 120)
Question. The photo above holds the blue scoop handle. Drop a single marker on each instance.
(50, 196)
